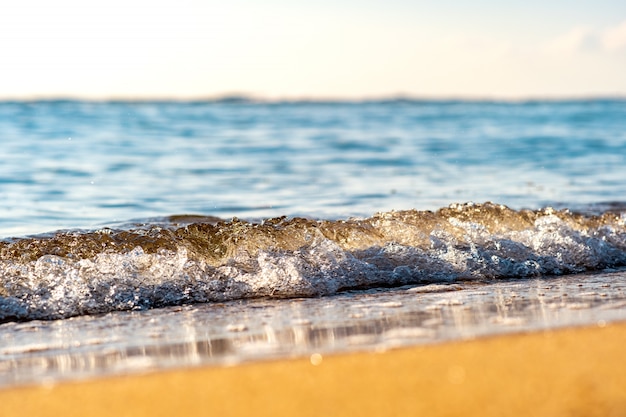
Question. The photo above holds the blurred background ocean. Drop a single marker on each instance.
(85, 164)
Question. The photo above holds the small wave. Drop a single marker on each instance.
(191, 259)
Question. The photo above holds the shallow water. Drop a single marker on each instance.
(118, 229)
(235, 332)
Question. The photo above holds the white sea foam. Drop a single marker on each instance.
(456, 248)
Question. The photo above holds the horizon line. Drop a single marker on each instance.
(243, 98)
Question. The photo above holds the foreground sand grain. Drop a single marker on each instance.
(567, 372)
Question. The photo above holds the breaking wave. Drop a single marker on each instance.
(191, 259)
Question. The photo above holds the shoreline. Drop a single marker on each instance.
(567, 371)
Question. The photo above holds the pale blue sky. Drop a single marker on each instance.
(323, 49)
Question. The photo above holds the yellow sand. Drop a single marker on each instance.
(570, 372)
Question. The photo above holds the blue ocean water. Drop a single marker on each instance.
(80, 164)
(361, 207)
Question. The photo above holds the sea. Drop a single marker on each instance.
(144, 235)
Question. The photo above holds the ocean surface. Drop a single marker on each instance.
(372, 224)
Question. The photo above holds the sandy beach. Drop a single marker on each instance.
(574, 371)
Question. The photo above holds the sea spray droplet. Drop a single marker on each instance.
(74, 273)
(316, 359)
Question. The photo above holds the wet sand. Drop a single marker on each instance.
(542, 347)
(572, 371)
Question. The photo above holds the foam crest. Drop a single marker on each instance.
(72, 273)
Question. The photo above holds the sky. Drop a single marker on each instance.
(341, 49)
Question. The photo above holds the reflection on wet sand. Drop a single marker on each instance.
(236, 332)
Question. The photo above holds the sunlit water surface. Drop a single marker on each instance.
(72, 164)
(86, 165)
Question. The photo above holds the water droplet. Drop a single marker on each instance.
(316, 359)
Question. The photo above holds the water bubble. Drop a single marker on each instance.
(316, 359)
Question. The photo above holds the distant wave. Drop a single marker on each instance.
(190, 259)
(243, 99)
